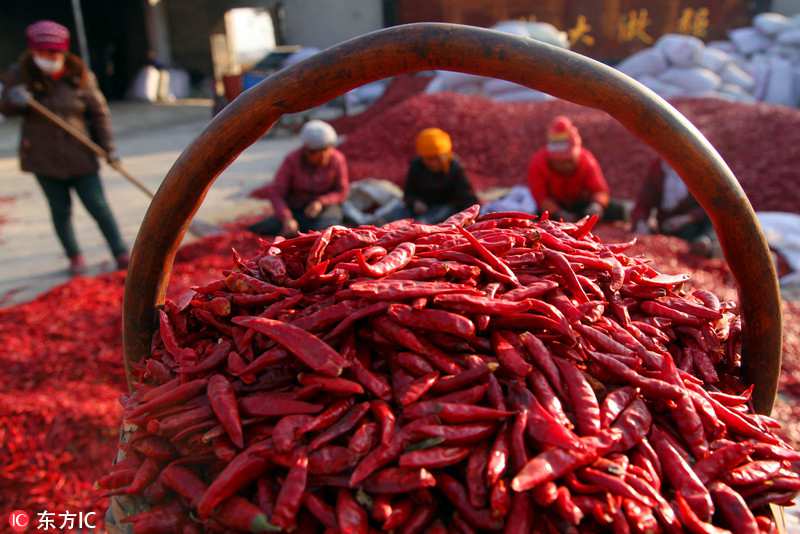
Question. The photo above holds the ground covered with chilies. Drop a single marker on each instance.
(478, 375)
(61, 380)
(59, 413)
(495, 141)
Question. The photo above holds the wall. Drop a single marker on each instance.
(609, 30)
(787, 7)
(322, 23)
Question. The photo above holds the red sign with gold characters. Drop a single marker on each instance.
(604, 29)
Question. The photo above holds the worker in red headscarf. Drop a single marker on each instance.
(565, 178)
(59, 80)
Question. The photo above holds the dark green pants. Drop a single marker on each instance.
(90, 191)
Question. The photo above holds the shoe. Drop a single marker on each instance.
(122, 260)
(77, 265)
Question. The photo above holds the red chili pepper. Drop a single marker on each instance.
(272, 405)
(582, 398)
(154, 447)
(436, 320)
(331, 460)
(406, 338)
(691, 520)
(463, 378)
(289, 429)
(472, 395)
(500, 499)
(341, 427)
(291, 493)
(547, 397)
(336, 386)
(413, 363)
(170, 397)
(398, 480)
(363, 439)
(658, 389)
(416, 389)
(455, 493)
(434, 457)
(682, 476)
(324, 513)
(223, 402)
(350, 517)
(510, 358)
(455, 413)
(245, 468)
(171, 425)
(614, 403)
(386, 419)
(459, 434)
(324, 420)
(313, 352)
(406, 289)
(375, 384)
(395, 260)
(733, 509)
(166, 518)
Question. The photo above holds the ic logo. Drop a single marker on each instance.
(19, 520)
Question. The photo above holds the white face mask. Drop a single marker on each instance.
(49, 66)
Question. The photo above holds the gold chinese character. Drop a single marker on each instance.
(694, 21)
(580, 32)
(634, 25)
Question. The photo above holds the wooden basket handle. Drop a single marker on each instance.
(428, 46)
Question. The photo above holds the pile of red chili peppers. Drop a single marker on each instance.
(495, 373)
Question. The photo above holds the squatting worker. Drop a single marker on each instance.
(565, 178)
(436, 184)
(310, 186)
(60, 81)
(665, 196)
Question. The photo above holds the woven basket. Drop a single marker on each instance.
(431, 46)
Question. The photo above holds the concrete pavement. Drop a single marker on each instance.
(149, 140)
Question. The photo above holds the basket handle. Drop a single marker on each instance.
(428, 46)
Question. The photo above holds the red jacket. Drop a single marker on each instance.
(565, 190)
(298, 183)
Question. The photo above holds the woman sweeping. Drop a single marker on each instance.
(62, 83)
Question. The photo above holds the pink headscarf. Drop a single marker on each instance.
(47, 35)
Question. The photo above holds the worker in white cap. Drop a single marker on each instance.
(310, 186)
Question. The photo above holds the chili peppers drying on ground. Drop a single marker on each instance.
(413, 419)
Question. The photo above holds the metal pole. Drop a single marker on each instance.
(81, 31)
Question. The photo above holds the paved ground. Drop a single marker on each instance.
(149, 138)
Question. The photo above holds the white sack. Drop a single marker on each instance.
(749, 40)
(789, 37)
(680, 50)
(713, 59)
(771, 23)
(693, 80)
(726, 46)
(780, 89)
(650, 61)
(735, 75)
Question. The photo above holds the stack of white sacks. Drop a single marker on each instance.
(501, 90)
(757, 63)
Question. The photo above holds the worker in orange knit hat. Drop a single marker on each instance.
(436, 184)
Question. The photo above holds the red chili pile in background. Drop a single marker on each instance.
(498, 373)
(495, 141)
(399, 89)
